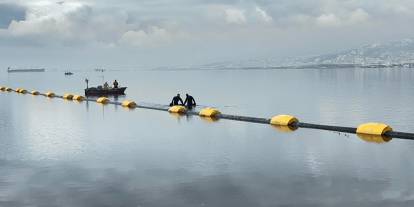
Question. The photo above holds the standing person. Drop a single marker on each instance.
(189, 101)
(176, 99)
(106, 85)
(115, 84)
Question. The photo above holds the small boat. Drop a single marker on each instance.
(17, 70)
(100, 91)
(68, 73)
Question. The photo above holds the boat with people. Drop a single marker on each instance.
(101, 91)
(68, 73)
(104, 90)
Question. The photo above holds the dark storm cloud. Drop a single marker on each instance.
(9, 12)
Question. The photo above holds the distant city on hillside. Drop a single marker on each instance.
(396, 54)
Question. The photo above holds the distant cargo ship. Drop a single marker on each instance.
(9, 70)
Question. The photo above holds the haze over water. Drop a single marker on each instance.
(63, 153)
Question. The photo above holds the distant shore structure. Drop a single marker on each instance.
(17, 70)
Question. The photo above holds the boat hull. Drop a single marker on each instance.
(25, 70)
(104, 92)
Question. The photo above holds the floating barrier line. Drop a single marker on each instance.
(400, 135)
(352, 130)
(153, 107)
(244, 118)
(368, 129)
(327, 127)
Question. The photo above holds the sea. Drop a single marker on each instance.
(55, 152)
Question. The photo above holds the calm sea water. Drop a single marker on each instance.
(61, 153)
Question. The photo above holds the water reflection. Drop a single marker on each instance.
(181, 116)
(129, 108)
(374, 138)
(209, 119)
(87, 105)
(285, 129)
(177, 116)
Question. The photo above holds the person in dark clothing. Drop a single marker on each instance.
(176, 100)
(189, 101)
(115, 84)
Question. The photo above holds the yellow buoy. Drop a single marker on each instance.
(129, 104)
(283, 120)
(35, 93)
(373, 128)
(18, 90)
(102, 100)
(2, 88)
(209, 112)
(8, 89)
(78, 98)
(50, 94)
(68, 96)
(23, 91)
(177, 109)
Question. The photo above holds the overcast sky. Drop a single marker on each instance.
(147, 33)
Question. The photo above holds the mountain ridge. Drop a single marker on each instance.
(398, 53)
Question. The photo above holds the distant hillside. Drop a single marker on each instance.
(396, 52)
(392, 54)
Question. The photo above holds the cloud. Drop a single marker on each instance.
(263, 15)
(235, 16)
(350, 18)
(104, 22)
(10, 12)
(328, 20)
(226, 26)
(357, 16)
(241, 15)
(59, 21)
(75, 23)
(152, 37)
